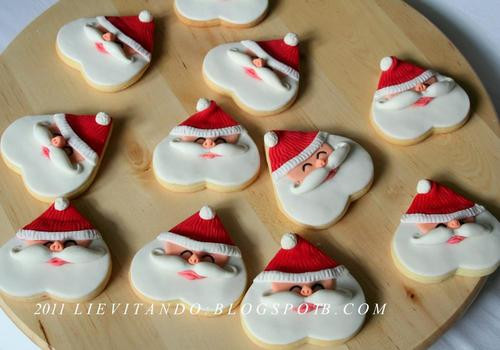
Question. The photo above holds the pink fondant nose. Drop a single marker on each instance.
(58, 141)
(208, 143)
(109, 36)
(306, 291)
(320, 163)
(454, 224)
(194, 259)
(258, 62)
(57, 246)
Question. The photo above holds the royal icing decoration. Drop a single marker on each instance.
(261, 76)
(195, 262)
(443, 233)
(231, 13)
(209, 149)
(316, 175)
(411, 102)
(302, 296)
(59, 255)
(56, 155)
(111, 52)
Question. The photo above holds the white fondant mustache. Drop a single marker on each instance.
(321, 297)
(442, 234)
(195, 149)
(408, 98)
(57, 155)
(114, 49)
(175, 263)
(318, 176)
(266, 74)
(38, 253)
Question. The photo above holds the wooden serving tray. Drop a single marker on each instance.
(341, 44)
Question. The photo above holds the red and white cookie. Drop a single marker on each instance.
(261, 76)
(228, 13)
(411, 103)
(60, 255)
(316, 175)
(111, 52)
(57, 155)
(196, 263)
(444, 234)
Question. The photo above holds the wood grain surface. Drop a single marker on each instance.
(342, 42)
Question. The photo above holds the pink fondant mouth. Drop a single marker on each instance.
(100, 48)
(45, 152)
(423, 101)
(331, 174)
(57, 262)
(306, 307)
(455, 239)
(210, 155)
(190, 275)
(251, 72)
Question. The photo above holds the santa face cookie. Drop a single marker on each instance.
(60, 255)
(261, 76)
(111, 52)
(411, 102)
(57, 155)
(195, 263)
(228, 13)
(444, 234)
(207, 150)
(316, 175)
(302, 296)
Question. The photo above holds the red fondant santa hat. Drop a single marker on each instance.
(280, 54)
(287, 149)
(134, 31)
(435, 203)
(209, 121)
(398, 76)
(298, 261)
(87, 134)
(62, 221)
(203, 231)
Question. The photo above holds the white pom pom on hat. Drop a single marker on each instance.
(102, 118)
(291, 39)
(202, 104)
(207, 213)
(424, 186)
(385, 63)
(288, 241)
(61, 204)
(270, 139)
(145, 16)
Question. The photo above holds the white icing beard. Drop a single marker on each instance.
(442, 234)
(39, 254)
(179, 163)
(25, 278)
(42, 176)
(294, 301)
(399, 119)
(99, 68)
(283, 328)
(327, 202)
(433, 257)
(113, 48)
(152, 278)
(233, 11)
(220, 69)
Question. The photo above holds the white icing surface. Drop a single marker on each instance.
(285, 329)
(233, 11)
(433, 260)
(257, 95)
(412, 122)
(100, 69)
(175, 167)
(155, 283)
(66, 282)
(327, 202)
(40, 175)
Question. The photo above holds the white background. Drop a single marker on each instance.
(474, 27)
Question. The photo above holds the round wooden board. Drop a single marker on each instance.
(342, 42)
